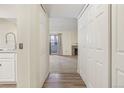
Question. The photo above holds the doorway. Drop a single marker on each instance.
(55, 44)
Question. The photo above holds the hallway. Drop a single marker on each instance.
(63, 73)
(63, 64)
(86, 38)
(64, 80)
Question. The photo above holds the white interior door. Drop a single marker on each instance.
(118, 45)
(93, 42)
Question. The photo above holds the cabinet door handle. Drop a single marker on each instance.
(0, 65)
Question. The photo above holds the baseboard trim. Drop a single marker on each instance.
(85, 81)
(46, 76)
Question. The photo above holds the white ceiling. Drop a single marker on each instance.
(53, 10)
(63, 10)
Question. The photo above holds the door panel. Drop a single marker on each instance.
(117, 46)
(94, 46)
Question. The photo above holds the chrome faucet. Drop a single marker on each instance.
(14, 38)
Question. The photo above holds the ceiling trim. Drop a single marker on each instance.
(43, 8)
(82, 11)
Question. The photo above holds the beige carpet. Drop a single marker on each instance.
(63, 64)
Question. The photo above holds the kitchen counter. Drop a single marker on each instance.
(9, 51)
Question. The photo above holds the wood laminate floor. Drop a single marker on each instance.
(64, 80)
(63, 64)
(7, 85)
(58, 80)
(63, 74)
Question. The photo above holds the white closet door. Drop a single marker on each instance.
(118, 45)
(98, 46)
(93, 42)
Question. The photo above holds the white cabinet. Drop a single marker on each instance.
(7, 67)
(7, 55)
(7, 71)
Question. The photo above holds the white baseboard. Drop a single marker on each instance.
(44, 79)
(88, 85)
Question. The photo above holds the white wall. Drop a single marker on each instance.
(68, 28)
(6, 27)
(32, 60)
(93, 42)
(8, 11)
(44, 47)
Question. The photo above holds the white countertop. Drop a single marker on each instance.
(8, 51)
